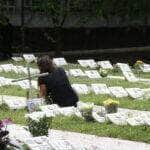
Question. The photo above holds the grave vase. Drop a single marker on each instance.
(111, 109)
(87, 114)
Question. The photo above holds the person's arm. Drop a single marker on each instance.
(42, 90)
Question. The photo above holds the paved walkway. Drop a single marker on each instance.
(98, 143)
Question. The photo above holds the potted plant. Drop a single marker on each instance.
(111, 106)
(86, 111)
(39, 125)
(138, 64)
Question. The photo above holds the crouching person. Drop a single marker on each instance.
(55, 87)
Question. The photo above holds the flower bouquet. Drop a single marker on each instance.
(86, 111)
(111, 106)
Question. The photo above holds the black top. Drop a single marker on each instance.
(59, 88)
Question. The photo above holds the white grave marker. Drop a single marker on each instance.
(117, 118)
(93, 74)
(23, 84)
(29, 58)
(100, 89)
(2, 81)
(14, 102)
(136, 121)
(60, 61)
(15, 69)
(105, 64)
(127, 72)
(118, 91)
(7, 67)
(135, 92)
(80, 88)
(76, 72)
(22, 69)
(145, 67)
(88, 63)
(17, 58)
(67, 111)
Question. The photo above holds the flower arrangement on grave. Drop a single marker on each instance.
(39, 126)
(111, 106)
(103, 72)
(138, 64)
(86, 111)
(4, 140)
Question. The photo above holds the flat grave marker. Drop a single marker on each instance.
(7, 67)
(87, 63)
(100, 89)
(118, 91)
(60, 61)
(127, 72)
(117, 118)
(76, 72)
(17, 59)
(80, 88)
(135, 92)
(14, 102)
(93, 74)
(145, 67)
(29, 58)
(105, 64)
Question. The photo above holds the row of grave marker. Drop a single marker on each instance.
(116, 91)
(98, 88)
(93, 74)
(125, 68)
(17, 69)
(122, 117)
(23, 84)
(83, 62)
(15, 102)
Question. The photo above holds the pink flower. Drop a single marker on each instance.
(5, 122)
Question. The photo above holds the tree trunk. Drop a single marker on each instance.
(59, 41)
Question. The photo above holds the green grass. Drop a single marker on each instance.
(123, 102)
(140, 133)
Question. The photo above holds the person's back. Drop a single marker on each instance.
(58, 88)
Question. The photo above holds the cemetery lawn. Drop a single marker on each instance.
(139, 133)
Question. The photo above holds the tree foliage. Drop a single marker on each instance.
(58, 11)
(2, 16)
(126, 11)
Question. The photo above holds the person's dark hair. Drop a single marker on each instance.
(45, 64)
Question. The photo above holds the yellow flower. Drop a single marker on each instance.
(139, 62)
(110, 102)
